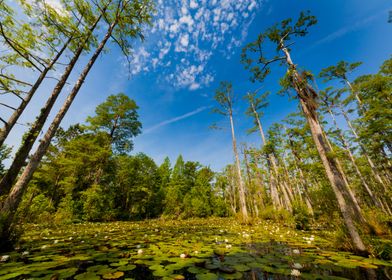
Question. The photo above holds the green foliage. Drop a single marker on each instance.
(36, 208)
(339, 71)
(4, 154)
(280, 35)
(224, 96)
(136, 188)
(118, 117)
(376, 116)
(269, 213)
(383, 250)
(197, 202)
(256, 105)
(94, 204)
(301, 216)
(66, 211)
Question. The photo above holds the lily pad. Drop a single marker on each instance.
(114, 275)
(207, 276)
(87, 276)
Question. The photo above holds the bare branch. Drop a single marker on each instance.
(56, 79)
(265, 64)
(5, 123)
(8, 106)
(16, 80)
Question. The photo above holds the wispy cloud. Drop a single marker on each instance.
(348, 29)
(176, 119)
(185, 35)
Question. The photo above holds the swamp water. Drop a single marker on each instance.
(195, 249)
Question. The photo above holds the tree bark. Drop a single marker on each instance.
(10, 204)
(25, 101)
(21, 155)
(369, 160)
(375, 201)
(354, 92)
(271, 164)
(350, 196)
(252, 199)
(333, 173)
(241, 188)
(298, 162)
(308, 201)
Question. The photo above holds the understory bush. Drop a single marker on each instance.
(302, 217)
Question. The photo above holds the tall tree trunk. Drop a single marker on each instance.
(357, 210)
(286, 181)
(285, 187)
(354, 92)
(304, 184)
(273, 186)
(271, 164)
(375, 201)
(286, 196)
(241, 187)
(11, 203)
(308, 201)
(388, 144)
(364, 152)
(25, 101)
(232, 194)
(28, 141)
(333, 173)
(252, 196)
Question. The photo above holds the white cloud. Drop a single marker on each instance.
(193, 4)
(194, 86)
(184, 41)
(139, 61)
(195, 29)
(187, 20)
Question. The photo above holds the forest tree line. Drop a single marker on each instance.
(88, 176)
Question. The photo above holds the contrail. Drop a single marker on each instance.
(176, 119)
(353, 27)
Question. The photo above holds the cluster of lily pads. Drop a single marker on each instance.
(193, 249)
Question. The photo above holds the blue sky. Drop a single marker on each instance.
(195, 44)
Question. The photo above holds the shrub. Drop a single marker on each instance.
(302, 217)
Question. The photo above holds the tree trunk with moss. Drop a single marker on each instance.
(347, 148)
(271, 164)
(373, 168)
(334, 175)
(241, 187)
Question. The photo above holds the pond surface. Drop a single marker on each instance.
(194, 249)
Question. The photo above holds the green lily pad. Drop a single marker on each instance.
(96, 268)
(162, 272)
(66, 273)
(114, 275)
(237, 275)
(128, 267)
(241, 267)
(197, 270)
(87, 276)
(207, 276)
